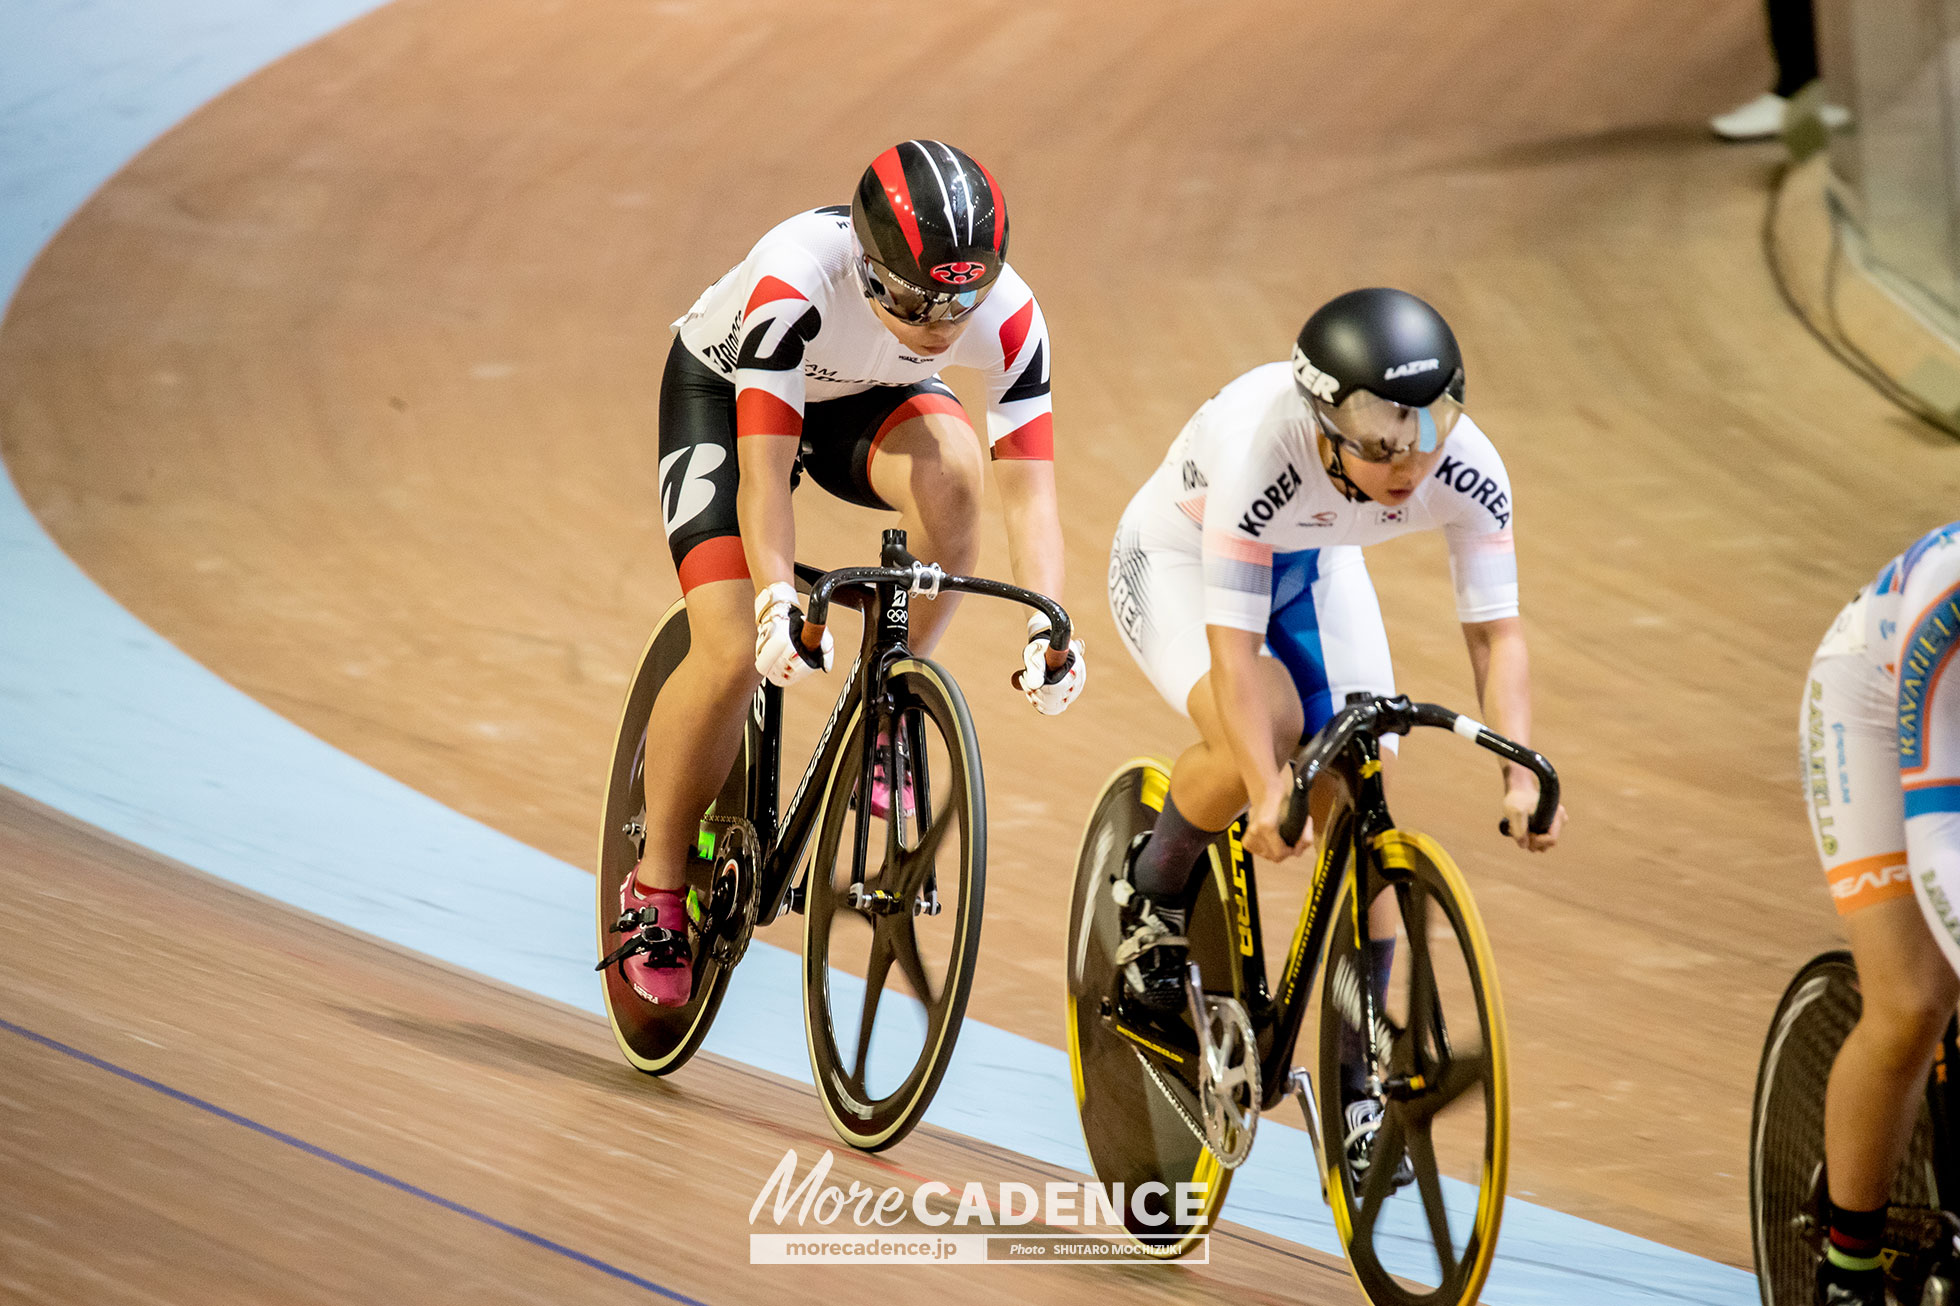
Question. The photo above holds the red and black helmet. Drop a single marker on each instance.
(930, 217)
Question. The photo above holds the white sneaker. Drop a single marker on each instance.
(1757, 120)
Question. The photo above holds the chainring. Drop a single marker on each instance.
(735, 895)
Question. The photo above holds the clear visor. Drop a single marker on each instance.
(1378, 430)
(908, 303)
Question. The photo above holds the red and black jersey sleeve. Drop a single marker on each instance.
(778, 323)
(1020, 420)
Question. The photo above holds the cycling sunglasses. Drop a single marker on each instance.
(1377, 430)
(908, 303)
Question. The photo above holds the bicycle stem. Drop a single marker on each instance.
(920, 578)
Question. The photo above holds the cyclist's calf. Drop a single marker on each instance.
(696, 724)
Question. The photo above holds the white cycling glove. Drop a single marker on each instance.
(1050, 691)
(779, 657)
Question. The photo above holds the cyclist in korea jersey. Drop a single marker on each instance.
(821, 351)
(1238, 584)
(1879, 733)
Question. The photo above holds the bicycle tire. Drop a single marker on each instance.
(1394, 1240)
(659, 1040)
(926, 699)
(1786, 1131)
(1138, 1126)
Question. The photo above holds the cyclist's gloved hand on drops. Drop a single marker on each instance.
(779, 657)
(1520, 801)
(1050, 689)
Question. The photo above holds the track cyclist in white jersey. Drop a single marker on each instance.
(1880, 738)
(1238, 584)
(821, 351)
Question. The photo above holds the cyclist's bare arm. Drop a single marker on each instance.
(1501, 664)
(762, 506)
(1246, 717)
(1034, 528)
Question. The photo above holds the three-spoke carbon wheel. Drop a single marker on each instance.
(1142, 1122)
(1786, 1136)
(1426, 1207)
(659, 1040)
(892, 905)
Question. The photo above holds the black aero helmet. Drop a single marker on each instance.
(1381, 372)
(933, 227)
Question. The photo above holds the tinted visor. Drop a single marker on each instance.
(1378, 430)
(908, 303)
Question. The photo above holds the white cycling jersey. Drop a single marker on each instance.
(790, 324)
(1243, 482)
(1242, 527)
(1880, 738)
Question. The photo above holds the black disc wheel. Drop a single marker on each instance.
(892, 906)
(1786, 1140)
(1142, 1117)
(1414, 1107)
(721, 874)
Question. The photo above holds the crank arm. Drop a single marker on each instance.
(1301, 1083)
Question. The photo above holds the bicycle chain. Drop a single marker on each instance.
(1177, 1103)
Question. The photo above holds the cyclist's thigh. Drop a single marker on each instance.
(1327, 629)
(1933, 843)
(1157, 595)
(698, 472)
(1928, 744)
(1900, 965)
(843, 438)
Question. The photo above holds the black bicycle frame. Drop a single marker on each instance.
(883, 595)
(1348, 751)
(1943, 1103)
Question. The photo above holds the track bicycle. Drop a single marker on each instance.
(1175, 1099)
(1786, 1151)
(891, 897)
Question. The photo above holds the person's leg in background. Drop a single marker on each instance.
(1793, 44)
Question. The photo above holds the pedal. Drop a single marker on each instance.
(653, 941)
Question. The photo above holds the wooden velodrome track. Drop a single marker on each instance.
(347, 387)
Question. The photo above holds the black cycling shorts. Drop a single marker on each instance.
(698, 468)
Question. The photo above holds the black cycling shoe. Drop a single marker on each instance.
(1837, 1286)
(1153, 953)
(1152, 956)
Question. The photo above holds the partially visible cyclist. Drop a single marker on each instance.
(1879, 730)
(820, 354)
(1238, 584)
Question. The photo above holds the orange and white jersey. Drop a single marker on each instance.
(1243, 483)
(1879, 732)
(790, 324)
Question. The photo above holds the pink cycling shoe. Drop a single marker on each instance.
(881, 785)
(664, 972)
